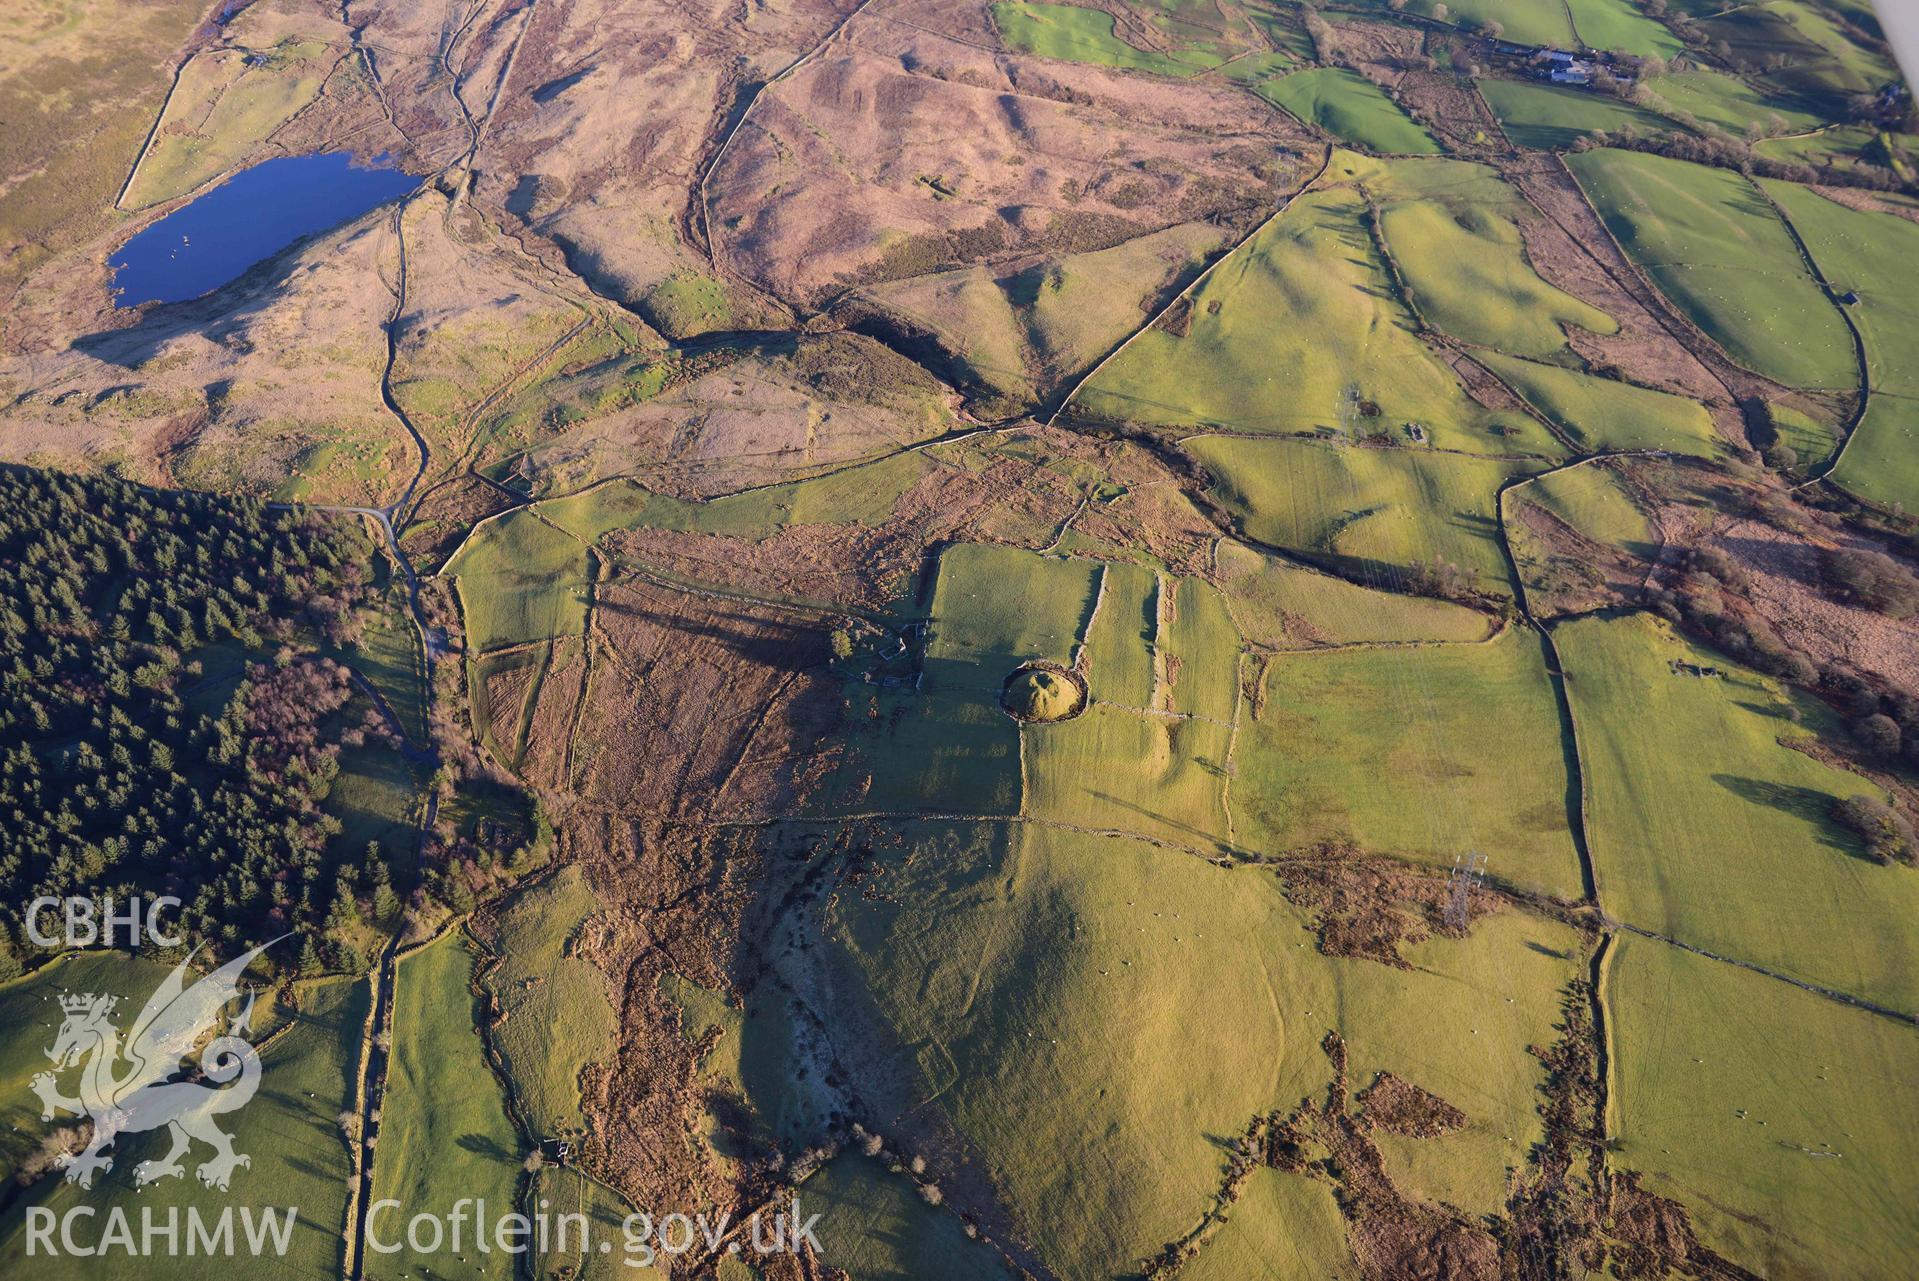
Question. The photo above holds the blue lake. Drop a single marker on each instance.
(250, 217)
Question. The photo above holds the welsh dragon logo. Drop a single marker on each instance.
(130, 1086)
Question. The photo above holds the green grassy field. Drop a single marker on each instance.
(1780, 1119)
(1813, 56)
(1299, 330)
(1450, 227)
(30, 1017)
(502, 704)
(938, 751)
(1112, 769)
(1201, 651)
(1085, 306)
(520, 580)
(862, 494)
(1872, 254)
(1592, 501)
(1120, 644)
(972, 315)
(751, 1061)
(949, 747)
(1811, 439)
(1278, 604)
(225, 107)
(1259, 67)
(1393, 748)
(1601, 414)
(1717, 249)
(1726, 102)
(1351, 108)
(998, 607)
(1620, 26)
(1150, 754)
(688, 303)
(444, 1131)
(1705, 828)
(1540, 22)
(557, 1015)
(1085, 35)
(1550, 118)
(1052, 319)
(875, 1225)
(1844, 147)
(388, 655)
(1035, 981)
(524, 576)
(1562, 575)
(568, 1191)
(290, 1132)
(1281, 24)
(1283, 1225)
(1377, 514)
(377, 797)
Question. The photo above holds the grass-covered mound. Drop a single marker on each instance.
(1042, 694)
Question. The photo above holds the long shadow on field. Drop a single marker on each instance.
(1801, 802)
(1203, 837)
(756, 638)
(480, 1145)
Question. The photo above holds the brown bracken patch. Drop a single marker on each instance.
(1367, 906)
(1397, 1106)
(1394, 1237)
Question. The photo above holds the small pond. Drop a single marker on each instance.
(250, 217)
